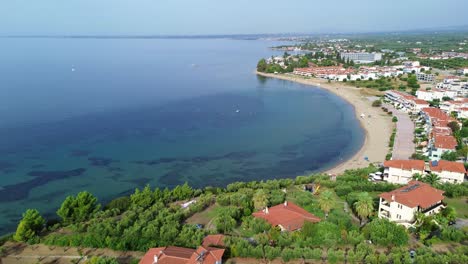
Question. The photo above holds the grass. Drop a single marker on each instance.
(205, 216)
(460, 204)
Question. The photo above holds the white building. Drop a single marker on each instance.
(402, 171)
(361, 57)
(449, 171)
(402, 204)
(430, 95)
(424, 77)
(439, 144)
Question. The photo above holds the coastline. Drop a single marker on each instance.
(378, 127)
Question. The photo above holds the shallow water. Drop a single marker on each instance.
(110, 115)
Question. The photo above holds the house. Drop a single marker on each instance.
(287, 216)
(402, 204)
(449, 171)
(442, 144)
(402, 171)
(213, 241)
(180, 255)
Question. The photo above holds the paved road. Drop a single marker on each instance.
(404, 146)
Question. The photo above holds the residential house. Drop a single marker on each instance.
(180, 255)
(213, 241)
(402, 204)
(287, 216)
(441, 144)
(449, 171)
(402, 171)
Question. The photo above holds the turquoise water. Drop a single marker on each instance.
(110, 115)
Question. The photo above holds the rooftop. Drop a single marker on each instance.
(213, 240)
(445, 142)
(451, 166)
(415, 194)
(405, 164)
(288, 215)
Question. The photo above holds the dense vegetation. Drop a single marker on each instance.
(151, 218)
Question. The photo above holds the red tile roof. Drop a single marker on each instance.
(420, 102)
(168, 255)
(445, 142)
(451, 166)
(405, 164)
(213, 240)
(180, 255)
(290, 216)
(415, 194)
(206, 255)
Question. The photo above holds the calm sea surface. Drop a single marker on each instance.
(110, 115)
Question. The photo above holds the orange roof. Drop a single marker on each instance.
(405, 164)
(451, 166)
(206, 255)
(180, 255)
(290, 216)
(445, 142)
(213, 240)
(415, 194)
(168, 255)
(420, 102)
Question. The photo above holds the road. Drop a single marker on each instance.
(404, 146)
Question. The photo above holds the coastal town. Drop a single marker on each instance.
(401, 199)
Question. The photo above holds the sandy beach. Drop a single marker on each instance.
(378, 127)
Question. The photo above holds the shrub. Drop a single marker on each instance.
(377, 103)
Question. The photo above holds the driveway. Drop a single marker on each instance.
(404, 146)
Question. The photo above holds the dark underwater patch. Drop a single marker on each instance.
(6, 166)
(21, 190)
(79, 153)
(100, 161)
(235, 156)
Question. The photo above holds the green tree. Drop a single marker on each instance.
(79, 208)
(260, 199)
(385, 233)
(144, 198)
(262, 65)
(394, 119)
(29, 226)
(431, 178)
(449, 155)
(454, 126)
(224, 223)
(326, 201)
(364, 206)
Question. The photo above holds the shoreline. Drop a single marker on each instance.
(377, 128)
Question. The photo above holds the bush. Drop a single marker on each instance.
(386, 233)
(394, 119)
(377, 103)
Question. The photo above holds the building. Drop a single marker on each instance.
(213, 241)
(424, 77)
(441, 144)
(180, 255)
(402, 171)
(449, 171)
(402, 204)
(462, 71)
(287, 216)
(361, 57)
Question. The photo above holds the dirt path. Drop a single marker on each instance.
(23, 253)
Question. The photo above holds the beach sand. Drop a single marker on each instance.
(378, 127)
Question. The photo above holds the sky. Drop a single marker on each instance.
(205, 17)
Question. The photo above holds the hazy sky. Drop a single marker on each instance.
(175, 17)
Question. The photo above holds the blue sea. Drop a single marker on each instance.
(112, 115)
